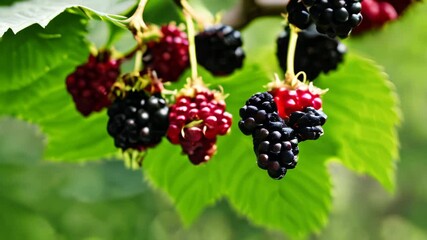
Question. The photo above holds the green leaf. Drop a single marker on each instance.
(363, 115)
(34, 89)
(191, 188)
(23, 14)
(19, 222)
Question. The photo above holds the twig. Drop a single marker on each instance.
(247, 10)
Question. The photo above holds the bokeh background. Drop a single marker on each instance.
(104, 200)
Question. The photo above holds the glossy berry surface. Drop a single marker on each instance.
(219, 49)
(276, 148)
(331, 17)
(90, 84)
(298, 14)
(275, 145)
(138, 121)
(168, 57)
(314, 54)
(290, 100)
(307, 124)
(257, 111)
(195, 123)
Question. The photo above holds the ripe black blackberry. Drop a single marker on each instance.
(335, 17)
(276, 148)
(315, 53)
(298, 14)
(259, 109)
(332, 17)
(307, 124)
(219, 49)
(138, 121)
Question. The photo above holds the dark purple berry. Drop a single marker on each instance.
(219, 49)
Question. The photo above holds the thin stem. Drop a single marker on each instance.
(191, 46)
(138, 61)
(291, 51)
(139, 12)
(187, 8)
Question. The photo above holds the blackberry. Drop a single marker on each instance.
(169, 56)
(90, 83)
(219, 49)
(138, 121)
(315, 53)
(195, 123)
(298, 14)
(335, 17)
(259, 109)
(276, 148)
(307, 124)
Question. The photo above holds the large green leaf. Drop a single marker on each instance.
(23, 14)
(34, 88)
(363, 115)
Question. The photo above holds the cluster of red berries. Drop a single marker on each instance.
(377, 13)
(290, 99)
(195, 122)
(90, 83)
(168, 56)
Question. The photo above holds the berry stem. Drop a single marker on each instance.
(191, 46)
(187, 7)
(138, 61)
(291, 51)
(136, 22)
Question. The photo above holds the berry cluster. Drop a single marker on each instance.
(307, 124)
(331, 17)
(196, 121)
(90, 83)
(275, 144)
(219, 49)
(168, 56)
(138, 120)
(315, 53)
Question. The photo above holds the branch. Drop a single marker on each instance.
(247, 10)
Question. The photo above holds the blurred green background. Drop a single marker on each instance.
(104, 200)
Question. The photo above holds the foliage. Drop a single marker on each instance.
(361, 106)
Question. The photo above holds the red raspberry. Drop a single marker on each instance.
(168, 56)
(90, 83)
(195, 123)
(290, 99)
